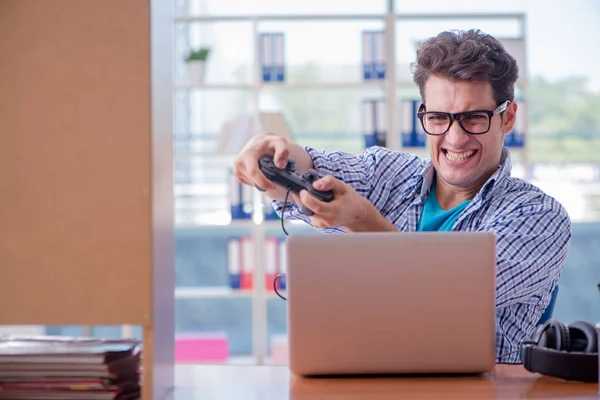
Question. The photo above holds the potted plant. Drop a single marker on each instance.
(196, 63)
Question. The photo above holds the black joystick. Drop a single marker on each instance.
(288, 178)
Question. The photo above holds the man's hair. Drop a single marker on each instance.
(467, 56)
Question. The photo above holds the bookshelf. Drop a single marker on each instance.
(396, 86)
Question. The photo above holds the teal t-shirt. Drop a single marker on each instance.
(434, 218)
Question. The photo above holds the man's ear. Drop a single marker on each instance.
(509, 117)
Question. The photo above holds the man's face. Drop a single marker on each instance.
(464, 161)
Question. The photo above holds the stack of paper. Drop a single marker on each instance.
(49, 367)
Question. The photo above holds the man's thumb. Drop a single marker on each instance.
(326, 183)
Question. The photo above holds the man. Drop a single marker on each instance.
(466, 81)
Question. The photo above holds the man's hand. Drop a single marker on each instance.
(246, 170)
(347, 209)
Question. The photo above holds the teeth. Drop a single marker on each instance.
(459, 156)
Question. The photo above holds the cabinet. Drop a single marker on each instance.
(322, 100)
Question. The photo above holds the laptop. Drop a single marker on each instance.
(391, 303)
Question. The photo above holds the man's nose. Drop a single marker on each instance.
(456, 135)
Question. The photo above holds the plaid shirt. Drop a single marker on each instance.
(532, 229)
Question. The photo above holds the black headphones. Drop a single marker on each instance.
(563, 351)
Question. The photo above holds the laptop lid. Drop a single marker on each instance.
(398, 302)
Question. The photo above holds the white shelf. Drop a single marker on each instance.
(344, 17)
(286, 85)
(211, 293)
(234, 223)
(279, 17)
(214, 86)
(221, 293)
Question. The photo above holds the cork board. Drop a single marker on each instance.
(75, 162)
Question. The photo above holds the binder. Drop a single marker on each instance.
(282, 262)
(247, 201)
(516, 137)
(379, 54)
(247, 276)
(412, 132)
(241, 198)
(374, 45)
(375, 122)
(367, 53)
(235, 197)
(234, 263)
(272, 56)
(381, 122)
(369, 118)
(279, 58)
(266, 56)
(271, 261)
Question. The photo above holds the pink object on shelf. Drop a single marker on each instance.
(198, 347)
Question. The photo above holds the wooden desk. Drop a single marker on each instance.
(216, 382)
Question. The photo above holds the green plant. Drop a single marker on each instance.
(200, 54)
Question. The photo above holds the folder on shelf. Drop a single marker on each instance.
(516, 137)
(241, 198)
(379, 54)
(266, 56)
(368, 120)
(381, 122)
(247, 276)
(367, 53)
(375, 122)
(282, 262)
(279, 57)
(411, 130)
(272, 56)
(374, 54)
(234, 263)
(270, 259)
(62, 367)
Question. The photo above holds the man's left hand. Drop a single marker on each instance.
(347, 208)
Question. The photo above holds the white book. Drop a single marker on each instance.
(369, 121)
(407, 118)
(282, 257)
(278, 59)
(234, 262)
(380, 54)
(234, 196)
(247, 201)
(367, 55)
(271, 250)
(266, 56)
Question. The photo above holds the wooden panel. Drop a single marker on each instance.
(75, 162)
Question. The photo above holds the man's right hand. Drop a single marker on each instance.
(245, 167)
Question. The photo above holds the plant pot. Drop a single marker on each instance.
(196, 72)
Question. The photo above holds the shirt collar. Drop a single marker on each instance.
(423, 179)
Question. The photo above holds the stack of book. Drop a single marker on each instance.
(49, 367)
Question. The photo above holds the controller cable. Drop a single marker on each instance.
(507, 354)
(282, 276)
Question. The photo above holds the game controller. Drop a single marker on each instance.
(288, 178)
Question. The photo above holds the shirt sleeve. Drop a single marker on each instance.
(368, 172)
(532, 241)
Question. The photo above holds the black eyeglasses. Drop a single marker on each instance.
(475, 122)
